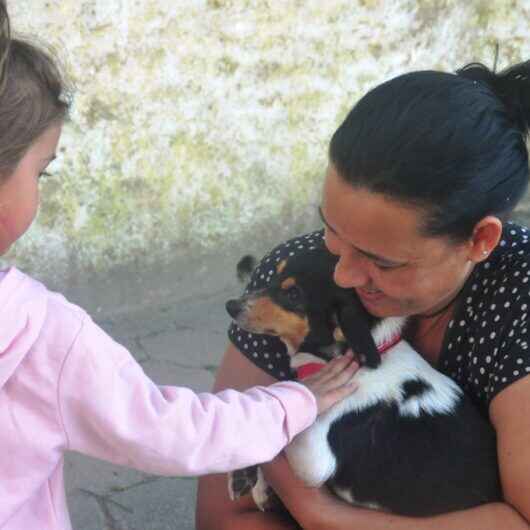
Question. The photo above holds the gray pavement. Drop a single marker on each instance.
(173, 321)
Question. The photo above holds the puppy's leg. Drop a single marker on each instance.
(241, 481)
(263, 495)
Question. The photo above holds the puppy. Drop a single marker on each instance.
(408, 441)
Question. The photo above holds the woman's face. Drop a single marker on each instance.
(394, 269)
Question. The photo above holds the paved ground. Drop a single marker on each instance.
(173, 321)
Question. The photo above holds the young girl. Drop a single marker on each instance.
(66, 385)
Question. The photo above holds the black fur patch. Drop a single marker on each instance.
(414, 388)
(417, 466)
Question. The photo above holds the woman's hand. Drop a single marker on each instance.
(333, 382)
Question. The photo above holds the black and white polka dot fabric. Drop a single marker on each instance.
(265, 351)
(486, 346)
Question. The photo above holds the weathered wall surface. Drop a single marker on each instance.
(200, 122)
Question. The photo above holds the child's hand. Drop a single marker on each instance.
(333, 382)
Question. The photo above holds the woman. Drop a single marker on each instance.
(423, 174)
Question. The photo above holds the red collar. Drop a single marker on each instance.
(312, 368)
(392, 341)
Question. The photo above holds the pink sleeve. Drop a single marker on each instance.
(111, 410)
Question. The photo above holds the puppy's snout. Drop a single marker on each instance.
(234, 307)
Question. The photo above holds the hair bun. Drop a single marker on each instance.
(511, 86)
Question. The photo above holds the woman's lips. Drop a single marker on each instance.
(369, 295)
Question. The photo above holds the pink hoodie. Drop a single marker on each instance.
(66, 385)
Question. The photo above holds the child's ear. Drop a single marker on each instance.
(355, 326)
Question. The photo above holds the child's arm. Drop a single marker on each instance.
(111, 410)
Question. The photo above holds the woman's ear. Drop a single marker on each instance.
(486, 236)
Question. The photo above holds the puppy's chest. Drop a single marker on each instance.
(404, 386)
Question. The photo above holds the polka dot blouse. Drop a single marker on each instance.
(485, 347)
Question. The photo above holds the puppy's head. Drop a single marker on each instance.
(298, 306)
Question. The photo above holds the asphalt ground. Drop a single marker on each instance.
(172, 319)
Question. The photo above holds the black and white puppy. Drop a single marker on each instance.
(407, 440)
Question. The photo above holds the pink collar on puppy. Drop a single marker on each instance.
(312, 368)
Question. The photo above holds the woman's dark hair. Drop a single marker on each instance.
(33, 95)
(451, 144)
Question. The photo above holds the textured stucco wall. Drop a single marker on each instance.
(195, 122)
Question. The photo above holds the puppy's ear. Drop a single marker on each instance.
(355, 326)
(245, 267)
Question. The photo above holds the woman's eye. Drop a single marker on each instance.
(44, 174)
(386, 267)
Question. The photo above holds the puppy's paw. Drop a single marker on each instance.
(241, 482)
(263, 494)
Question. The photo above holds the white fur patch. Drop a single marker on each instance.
(260, 491)
(299, 359)
(348, 497)
(309, 453)
(387, 329)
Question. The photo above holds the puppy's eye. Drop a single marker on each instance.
(293, 294)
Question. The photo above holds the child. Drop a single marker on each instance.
(65, 385)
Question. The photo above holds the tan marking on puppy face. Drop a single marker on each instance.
(338, 335)
(268, 317)
(281, 266)
(289, 282)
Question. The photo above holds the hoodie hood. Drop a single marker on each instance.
(23, 303)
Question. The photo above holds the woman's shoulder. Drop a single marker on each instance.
(513, 248)
(487, 347)
(507, 266)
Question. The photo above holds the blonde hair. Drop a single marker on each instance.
(33, 95)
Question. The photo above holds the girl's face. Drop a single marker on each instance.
(394, 269)
(19, 192)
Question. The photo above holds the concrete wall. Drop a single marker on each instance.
(198, 123)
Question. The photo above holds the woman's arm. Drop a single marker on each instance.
(317, 509)
(215, 510)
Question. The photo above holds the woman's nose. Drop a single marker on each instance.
(350, 272)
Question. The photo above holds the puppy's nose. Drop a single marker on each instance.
(233, 307)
